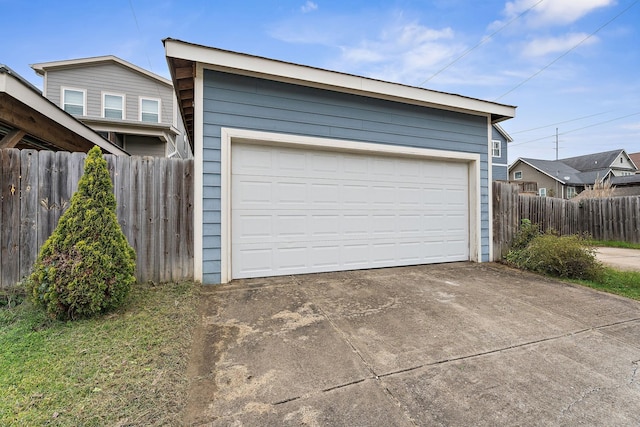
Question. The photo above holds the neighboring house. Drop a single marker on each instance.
(499, 163)
(130, 106)
(300, 170)
(29, 120)
(566, 178)
(635, 158)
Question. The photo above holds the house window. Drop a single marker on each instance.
(571, 192)
(495, 148)
(542, 192)
(74, 101)
(517, 175)
(150, 110)
(112, 106)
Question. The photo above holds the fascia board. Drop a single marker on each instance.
(237, 63)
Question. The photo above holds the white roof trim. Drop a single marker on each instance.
(503, 132)
(17, 89)
(42, 67)
(238, 63)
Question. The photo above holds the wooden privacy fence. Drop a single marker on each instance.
(154, 207)
(613, 218)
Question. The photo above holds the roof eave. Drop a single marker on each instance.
(16, 89)
(255, 66)
(520, 159)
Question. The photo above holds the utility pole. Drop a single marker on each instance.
(556, 143)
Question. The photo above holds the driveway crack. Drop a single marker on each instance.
(367, 365)
(582, 397)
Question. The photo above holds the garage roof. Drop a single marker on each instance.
(29, 120)
(182, 57)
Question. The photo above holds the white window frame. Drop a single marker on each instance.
(63, 89)
(542, 192)
(124, 103)
(146, 98)
(571, 192)
(496, 144)
(515, 175)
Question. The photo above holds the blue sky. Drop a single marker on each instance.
(570, 64)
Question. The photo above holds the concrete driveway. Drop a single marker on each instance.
(620, 258)
(452, 344)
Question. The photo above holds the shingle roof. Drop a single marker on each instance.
(555, 169)
(593, 161)
(580, 170)
(626, 180)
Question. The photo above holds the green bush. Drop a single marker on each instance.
(561, 256)
(525, 234)
(86, 266)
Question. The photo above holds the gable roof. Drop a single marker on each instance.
(593, 161)
(43, 67)
(579, 170)
(36, 122)
(552, 168)
(182, 58)
(503, 132)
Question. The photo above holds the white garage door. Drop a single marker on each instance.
(298, 211)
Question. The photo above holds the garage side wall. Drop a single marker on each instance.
(234, 101)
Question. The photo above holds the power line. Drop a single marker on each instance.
(559, 123)
(578, 129)
(480, 43)
(135, 19)
(567, 52)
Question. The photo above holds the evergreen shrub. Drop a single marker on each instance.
(86, 267)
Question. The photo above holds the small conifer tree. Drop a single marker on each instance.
(86, 267)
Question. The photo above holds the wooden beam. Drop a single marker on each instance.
(184, 73)
(36, 124)
(11, 139)
(184, 84)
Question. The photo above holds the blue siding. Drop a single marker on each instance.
(262, 105)
(499, 173)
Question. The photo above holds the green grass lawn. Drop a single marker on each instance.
(126, 368)
(615, 244)
(624, 283)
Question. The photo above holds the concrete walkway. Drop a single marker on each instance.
(455, 344)
(623, 259)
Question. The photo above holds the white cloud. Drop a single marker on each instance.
(545, 45)
(309, 6)
(553, 12)
(402, 52)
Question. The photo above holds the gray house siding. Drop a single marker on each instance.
(499, 168)
(139, 145)
(256, 104)
(113, 78)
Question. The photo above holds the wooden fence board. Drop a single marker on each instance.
(29, 206)
(187, 205)
(10, 236)
(162, 237)
(615, 218)
(154, 208)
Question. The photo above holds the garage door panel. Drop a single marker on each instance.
(304, 211)
(290, 193)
